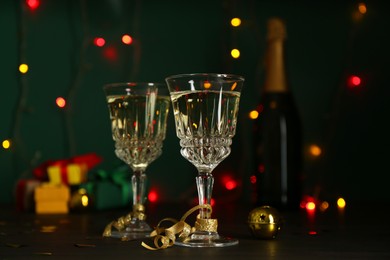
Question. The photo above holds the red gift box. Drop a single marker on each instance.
(25, 189)
(86, 161)
(69, 174)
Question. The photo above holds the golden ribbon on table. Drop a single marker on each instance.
(121, 223)
(165, 237)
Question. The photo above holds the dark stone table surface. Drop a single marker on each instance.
(360, 231)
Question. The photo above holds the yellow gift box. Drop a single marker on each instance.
(52, 198)
(71, 174)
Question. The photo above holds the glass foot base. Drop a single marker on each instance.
(137, 229)
(207, 239)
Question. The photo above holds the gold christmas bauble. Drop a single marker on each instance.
(264, 222)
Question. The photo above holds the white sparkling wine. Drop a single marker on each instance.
(138, 127)
(205, 123)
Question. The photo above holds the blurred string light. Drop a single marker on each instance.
(324, 206)
(127, 39)
(153, 196)
(362, 8)
(260, 168)
(235, 53)
(359, 12)
(231, 185)
(254, 114)
(253, 179)
(207, 85)
(354, 81)
(6, 144)
(310, 206)
(60, 102)
(23, 68)
(341, 203)
(235, 22)
(33, 4)
(99, 41)
(24, 12)
(308, 203)
(229, 182)
(315, 150)
(110, 53)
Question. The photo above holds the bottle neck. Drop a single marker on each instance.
(275, 78)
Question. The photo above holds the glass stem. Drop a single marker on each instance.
(204, 183)
(138, 183)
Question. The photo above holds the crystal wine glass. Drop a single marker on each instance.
(138, 113)
(205, 108)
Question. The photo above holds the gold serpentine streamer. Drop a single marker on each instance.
(121, 223)
(165, 237)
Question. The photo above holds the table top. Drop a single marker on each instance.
(357, 232)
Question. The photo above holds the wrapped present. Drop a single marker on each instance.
(24, 194)
(90, 160)
(84, 162)
(69, 174)
(109, 190)
(51, 198)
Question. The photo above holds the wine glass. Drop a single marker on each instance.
(205, 108)
(138, 113)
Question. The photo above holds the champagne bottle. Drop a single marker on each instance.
(277, 131)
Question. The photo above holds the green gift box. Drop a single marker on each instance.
(109, 190)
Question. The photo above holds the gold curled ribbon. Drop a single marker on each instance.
(165, 237)
(121, 223)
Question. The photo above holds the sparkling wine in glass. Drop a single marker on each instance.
(138, 113)
(205, 108)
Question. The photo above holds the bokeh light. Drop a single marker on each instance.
(362, 8)
(310, 206)
(235, 53)
(230, 184)
(23, 68)
(207, 85)
(235, 22)
(253, 114)
(110, 53)
(33, 4)
(324, 205)
(6, 144)
(61, 102)
(261, 168)
(354, 81)
(126, 39)
(99, 41)
(153, 196)
(315, 150)
(341, 203)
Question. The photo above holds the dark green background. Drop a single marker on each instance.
(325, 45)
